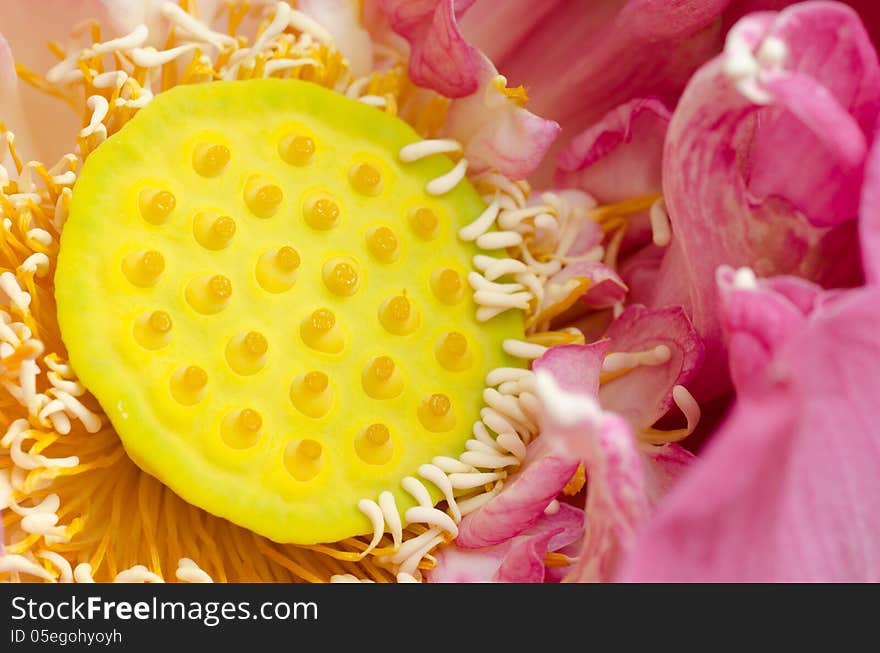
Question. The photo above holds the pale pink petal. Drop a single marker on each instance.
(644, 394)
(576, 368)
(520, 503)
(789, 489)
(343, 20)
(618, 158)
(11, 111)
(664, 466)
(524, 561)
(440, 58)
(496, 131)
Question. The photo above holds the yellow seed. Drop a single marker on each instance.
(378, 434)
(277, 269)
(320, 332)
(365, 178)
(213, 231)
(246, 352)
(383, 245)
(398, 315)
(143, 268)
(297, 150)
(321, 214)
(316, 382)
(341, 276)
(447, 286)
(381, 379)
(210, 159)
(156, 205)
(311, 395)
(373, 446)
(303, 459)
(209, 295)
(153, 331)
(241, 428)
(436, 414)
(452, 352)
(188, 385)
(424, 223)
(262, 197)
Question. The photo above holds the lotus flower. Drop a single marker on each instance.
(695, 307)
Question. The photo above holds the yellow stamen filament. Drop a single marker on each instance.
(277, 269)
(553, 338)
(156, 205)
(398, 315)
(153, 331)
(452, 352)
(374, 445)
(341, 276)
(241, 428)
(576, 483)
(188, 385)
(321, 214)
(304, 459)
(209, 295)
(210, 159)
(436, 414)
(424, 223)
(381, 378)
(311, 395)
(262, 197)
(321, 332)
(213, 231)
(383, 244)
(246, 353)
(447, 286)
(143, 268)
(365, 179)
(296, 149)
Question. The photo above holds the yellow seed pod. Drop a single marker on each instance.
(247, 287)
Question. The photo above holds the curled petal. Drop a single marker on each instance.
(787, 489)
(519, 504)
(619, 157)
(643, 394)
(496, 130)
(440, 58)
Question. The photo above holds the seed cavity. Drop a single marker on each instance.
(383, 244)
(189, 385)
(311, 394)
(241, 428)
(210, 159)
(153, 330)
(452, 352)
(447, 286)
(156, 205)
(436, 413)
(277, 269)
(373, 444)
(263, 198)
(304, 459)
(246, 353)
(381, 378)
(213, 231)
(366, 179)
(398, 315)
(425, 223)
(321, 213)
(296, 149)
(209, 294)
(320, 331)
(341, 276)
(143, 267)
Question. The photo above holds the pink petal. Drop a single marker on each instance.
(440, 58)
(496, 131)
(576, 368)
(579, 60)
(789, 489)
(869, 214)
(605, 289)
(619, 157)
(664, 466)
(520, 503)
(719, 156)
(644, 394)
(520, 559)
